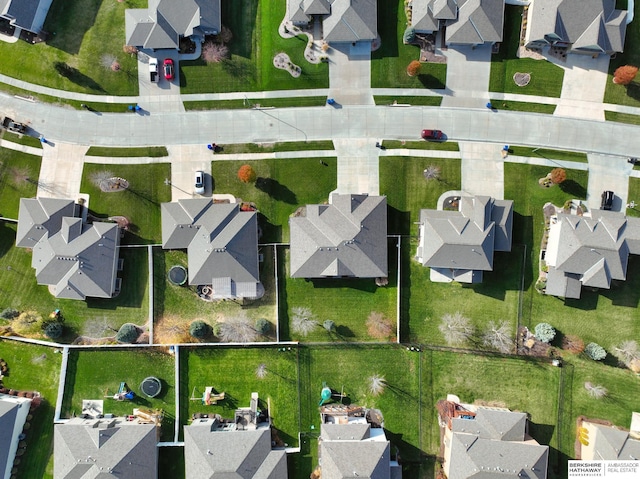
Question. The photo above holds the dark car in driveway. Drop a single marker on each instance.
(607, 200)
(167, 68)
(433, 135)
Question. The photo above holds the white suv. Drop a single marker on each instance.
(199, 182)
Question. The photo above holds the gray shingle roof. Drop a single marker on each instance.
(465, 239)
(345, 238)
(351, 21)
(13, 413)
(163, 23)
(26, 14)
(354, 432)
(77, 260)
(350, 459)
(221, 243)
(493, 424)
(591, 25)
(211, 453)
(94, 448)
(316, 7)
(592, 251)
(614, 444)
(479, 21)
(422, 18)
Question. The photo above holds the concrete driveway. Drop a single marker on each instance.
(585, 79)
(350, 73)
(163, 96)
(611, 173)
(185, 161)
(482, 169)
(468, 71)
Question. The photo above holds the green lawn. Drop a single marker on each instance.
(81, 33)
(94, 374)
(408, 100)
(402, 180)
(389, 63)
(140, 203)
(250, 67)
(288, 184)
(347, 302)
(249, 102)
(233, 371)
(19, 173)
(171, 463)
(150, 151)
(235, 148)
(548, 154)
(35, 368)
(95, 317)
(421, 145)
(546, 78)
(545, 108)
(622, 117)
(21, 139)
(177, 306)
(634, 195)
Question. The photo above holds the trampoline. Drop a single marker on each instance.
(178, 275)
(151, 386)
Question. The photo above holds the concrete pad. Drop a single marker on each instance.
(468, 71)
(163, 96)
(185, 160)
(585, 79)
(607, 172)
(358, 169)
(350, 74)
(482, 169)
(61, 170)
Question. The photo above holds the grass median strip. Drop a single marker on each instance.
(622, 117)
(145, 151)
(407, 100)
(508, 105)
(246, 103)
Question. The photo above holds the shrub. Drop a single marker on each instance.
(214, 52)
(130, 49)
(595, 352)
(456, 328)
(377, 383)
(573, 344)
(9, 313)
(199, 329)
(625, 74)
(53, 330)
(498, 336)
(544, 332)
(626, 352)
(246, 174)
(409, 35)
(263, 326)
(595, 391)
(238, 330)
(414, 68)
(29, 322)
(558, 175)
(128, 333)
(379, 326)
(431, 172)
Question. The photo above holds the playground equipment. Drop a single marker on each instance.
(123, 393)
(327, 394)
(209, 396)
(151, 386)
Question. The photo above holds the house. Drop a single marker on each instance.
(589, 250)
(25, 14)
(590, 27)
(13, 414)
(221, 243)
(462, 22)
(460, 245)
(105, 447)
(165, 22)
(343, 21)
(353, 444)
(600, 440)
(345, 238)
(77, 260)
(488, 442)
(241, 447)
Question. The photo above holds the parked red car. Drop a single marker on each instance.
(432, 135)
(167, 68)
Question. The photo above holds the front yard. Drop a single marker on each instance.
(19, 173)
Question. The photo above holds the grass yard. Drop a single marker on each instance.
(548, 154)
(424, 303)
(19, 173)
(35, 368)
(95, 317)
(235, 148)
(233, 371)
(634, 195)
(249, 102)
(250, 67)
(150, 151)
(622, 117)
(405, 402)
(177, 306)
(389, 63)
(421, 145)
(288, 184)
(21, 139)
(408, 100)
(507, 105)
(347, 302)
(84, 34)
(140, 203)
(402, 180)
(92, 374)
(546, 78)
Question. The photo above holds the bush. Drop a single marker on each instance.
(558, 175)
(28, 322)
(246, 174)
(128, 333)
(199, 329)
(573, 344)
(53, 330)
(544, 332)
(263, 326)
(625, 74)
(595, 352)
(9, 313)
(414, 68)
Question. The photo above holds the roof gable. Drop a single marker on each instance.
(363, 459)
(351, 21)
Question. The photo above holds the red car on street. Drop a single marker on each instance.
(435, 135)
(167, 68)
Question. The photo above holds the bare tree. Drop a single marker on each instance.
(431, 172)
(456, 328)
(595, 390)
(377, 383)
(100, 178)
(238, 330)
(261, 371)
(626, 351)
(19, 175)
(225, 34)
(213, 52)
(303, 321)
(378, 325)
(498, 336)
(107, 60)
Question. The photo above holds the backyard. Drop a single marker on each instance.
(140, 202)
(19, 174)
(177, 306)
(282, 186)
(254, 25)
(546, 78)
(96, 374)
(389, 63)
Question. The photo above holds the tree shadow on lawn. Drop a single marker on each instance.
(408, 452)
(430, 81)
(159, 284)
(573, 188)
(270, 233)
(541, 432)
(76, 76)
(387, 30)
(276, 190)
(7, 238)
(69, 38)
(633, 90)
